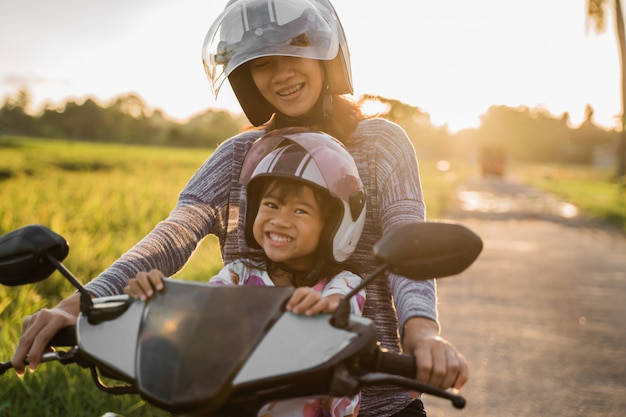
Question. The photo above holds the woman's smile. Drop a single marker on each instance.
(290, 90)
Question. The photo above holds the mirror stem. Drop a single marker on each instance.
(341, 316)
(85, 299)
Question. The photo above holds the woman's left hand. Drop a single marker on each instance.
(439, 363)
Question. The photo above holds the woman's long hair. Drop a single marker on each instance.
(336, 115)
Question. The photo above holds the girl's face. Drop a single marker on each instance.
(288, 226)
(291, 84)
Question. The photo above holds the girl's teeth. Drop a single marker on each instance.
(278, 238)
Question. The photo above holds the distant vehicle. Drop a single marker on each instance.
(492, 161)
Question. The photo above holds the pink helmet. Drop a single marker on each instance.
(318, 160)
(250, 29)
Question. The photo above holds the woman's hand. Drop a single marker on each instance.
(144, 285)
(439, 363)
(310, 302)
(39, 328)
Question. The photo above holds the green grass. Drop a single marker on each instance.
(102, 199)
(439, 185)
(592, 190)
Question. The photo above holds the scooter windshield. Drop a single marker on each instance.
(195, 339)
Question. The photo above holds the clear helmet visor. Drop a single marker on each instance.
(250, 29)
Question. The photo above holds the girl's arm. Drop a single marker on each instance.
(145, 284)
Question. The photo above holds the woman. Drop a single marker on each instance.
(288, 64)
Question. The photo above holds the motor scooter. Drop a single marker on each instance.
(208, 350)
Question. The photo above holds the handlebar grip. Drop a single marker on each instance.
(64, 337)
(397, 364)
(390, 365)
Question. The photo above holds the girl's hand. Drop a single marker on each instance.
(144, 285)
(310, 302)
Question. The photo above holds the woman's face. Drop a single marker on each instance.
(291, 84)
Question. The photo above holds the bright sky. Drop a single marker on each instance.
(451, 58)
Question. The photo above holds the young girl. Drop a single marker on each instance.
(288, 64)
(306, 210)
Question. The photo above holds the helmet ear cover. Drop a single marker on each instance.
(357, 204)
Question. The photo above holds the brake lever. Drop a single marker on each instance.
(380, 378)
(64, 357)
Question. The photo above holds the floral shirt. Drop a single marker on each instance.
(240, 273)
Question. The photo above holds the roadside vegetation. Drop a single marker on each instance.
(592, 190)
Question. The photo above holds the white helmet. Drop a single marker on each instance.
(320, 161)
(250, 29)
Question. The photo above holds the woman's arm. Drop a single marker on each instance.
(401, 201)
(200, 210)
(438, 362)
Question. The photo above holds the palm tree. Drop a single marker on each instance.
(596, 16)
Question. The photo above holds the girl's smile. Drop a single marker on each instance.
(289, 229)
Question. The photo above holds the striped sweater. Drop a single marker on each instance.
(213, 203)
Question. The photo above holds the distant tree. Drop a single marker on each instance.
(131, 104)
(427, 138)
(22, 100)
(524, 134)
(126, 119)
(14, 117)
(85, 121)
(207, 129)
(596, 16)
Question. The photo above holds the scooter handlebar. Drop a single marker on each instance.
(64, 337)
(396, 364)
(401, 370)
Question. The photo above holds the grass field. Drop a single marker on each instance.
(592, 190)
(103, 199)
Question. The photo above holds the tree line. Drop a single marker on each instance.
(523, 134)
(126, 119)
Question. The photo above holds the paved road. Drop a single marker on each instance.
(541, 315)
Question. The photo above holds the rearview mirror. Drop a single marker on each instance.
(24, 254)
(425, 250)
